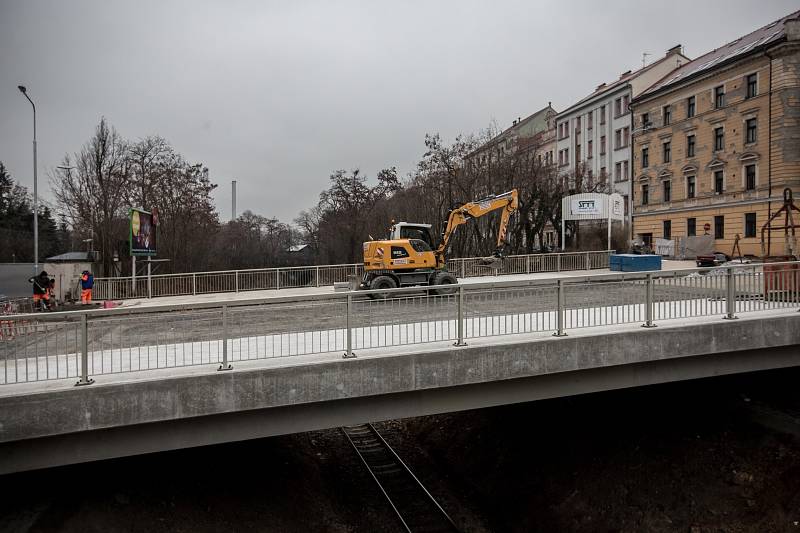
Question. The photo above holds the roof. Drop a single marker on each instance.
(537, 121)
(732, 51)
(72, 257)
(626, 77)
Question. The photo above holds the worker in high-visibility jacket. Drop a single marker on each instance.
(87, 282)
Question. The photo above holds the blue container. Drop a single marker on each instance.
(634, 262)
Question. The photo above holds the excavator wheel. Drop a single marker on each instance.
(444, 278)
(382, 282)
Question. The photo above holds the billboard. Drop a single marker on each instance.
(142, 236)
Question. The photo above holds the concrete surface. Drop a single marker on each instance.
(309, 291)
(197, 406)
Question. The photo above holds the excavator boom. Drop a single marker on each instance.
(508, 202)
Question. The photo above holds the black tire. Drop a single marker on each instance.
(382, 282)
(444, 278)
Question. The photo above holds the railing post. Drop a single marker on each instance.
(194, 283)
(149, 279)
(560, 310)
(316, 276)
(348, 330)
(460, 325)
(730, 301)
(236, 280)
(277, 279)
(84, 370)
(588, 263)
(558, 262)
(528, 265)
(648, 306)
(225, 365)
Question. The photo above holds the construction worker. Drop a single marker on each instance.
(87, 282)
(42, 285)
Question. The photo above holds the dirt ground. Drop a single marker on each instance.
(719, 455)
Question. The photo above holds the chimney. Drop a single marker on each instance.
(600, 86)
(624, 74)
(675, 50)
(792, 28)
(233, 200)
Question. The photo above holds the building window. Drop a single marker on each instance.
(603, 145)
(750, 177)
(602, 114)
(617, 107)
(719, 227)
(577, 124)
(690, 187)
(667, 225)
(719, 96)
(752, 85)
(626, 101)
(690, 109)
(618, 139)
(719, 182)
(691, 227)
(645, 157)
(624, 171)
(667, 154)
(577, 153)
(690, 146)
(749, 224)
(719, 139)
(667, 191)
(625, 203)
(589, 150)
(645, 194)
(618, 172)
(751, 127)
(590, 120)
(645, 120)
(667, 113)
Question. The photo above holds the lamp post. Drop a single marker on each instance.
(35, 188)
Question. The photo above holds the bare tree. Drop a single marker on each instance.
(93, 196)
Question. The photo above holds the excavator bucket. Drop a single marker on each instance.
(492, 261)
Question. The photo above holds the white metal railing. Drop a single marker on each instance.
(188, 283)
(92, 343)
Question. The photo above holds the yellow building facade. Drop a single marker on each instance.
(718, 140)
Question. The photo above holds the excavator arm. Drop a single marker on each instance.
(508, 202)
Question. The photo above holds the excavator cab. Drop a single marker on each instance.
(408, 230)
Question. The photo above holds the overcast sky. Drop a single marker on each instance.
(279, 94)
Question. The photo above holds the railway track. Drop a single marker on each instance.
(417, 510)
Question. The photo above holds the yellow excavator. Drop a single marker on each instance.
(408, 256)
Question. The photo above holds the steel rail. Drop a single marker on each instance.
(370, 442)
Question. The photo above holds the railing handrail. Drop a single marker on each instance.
(339, 265)
(243, 302)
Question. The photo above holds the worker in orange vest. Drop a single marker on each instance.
(87, 282)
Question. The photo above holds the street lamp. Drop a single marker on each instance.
(35, 188)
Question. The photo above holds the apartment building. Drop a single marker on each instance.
(717, 141)
(594, 134)
(534, 133)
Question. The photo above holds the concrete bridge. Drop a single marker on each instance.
(49, 423)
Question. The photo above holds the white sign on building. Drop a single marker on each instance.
(592, 206)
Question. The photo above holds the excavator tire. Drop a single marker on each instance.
(444, 278)
(382, 282)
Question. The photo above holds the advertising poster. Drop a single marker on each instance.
(143, 233)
